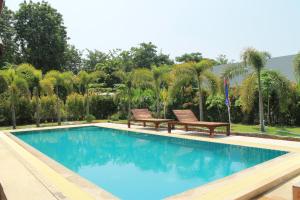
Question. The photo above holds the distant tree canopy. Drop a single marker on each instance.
(72, 59)
(93, 58)
(190, 57)
(41, 35)
(7, 35)
(36, 34)
(145, 55)
(222, 59)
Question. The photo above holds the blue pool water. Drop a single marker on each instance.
(131, 165)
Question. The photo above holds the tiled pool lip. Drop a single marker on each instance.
(288, 166)
(248, 183)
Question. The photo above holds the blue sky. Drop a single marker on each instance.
(212, 27)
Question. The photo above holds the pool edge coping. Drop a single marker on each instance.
(82, 185)
(187, 194)
(203, 139)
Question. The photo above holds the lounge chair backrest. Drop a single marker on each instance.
(141, 114)
(185, 116)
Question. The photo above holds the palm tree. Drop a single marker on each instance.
(125, 89)
(58, 79)
(33, 78)
(16, 87)
(165, 97)
(159, 76)
(255, 60)
(85, 79)
(201, 74)
(138, 78)
(275, 83)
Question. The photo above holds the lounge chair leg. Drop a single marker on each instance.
(186, 127)
(156, 126)
(211, 132)
(169, 128)
(144, 124)
(228, 130)
(173, 126)
(128, 123)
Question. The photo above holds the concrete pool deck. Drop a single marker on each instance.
(25, 170)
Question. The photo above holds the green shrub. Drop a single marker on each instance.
(5, 114)
(90, 118)
(115, 117)
(48, 108)
(102, 106)
(75, 106)
(24, 111)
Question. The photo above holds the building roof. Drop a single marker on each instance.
(282, 64)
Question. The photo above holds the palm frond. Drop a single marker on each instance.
(142, 78)
(21, 85)
(212, 82)
(203, 66)
(181, 76)
(234, 70)
(47, 86)
(254, 58)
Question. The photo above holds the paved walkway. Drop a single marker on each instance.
(282, 192)
(18, 181)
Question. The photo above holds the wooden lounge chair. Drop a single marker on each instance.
(187, 118)
(143, 115)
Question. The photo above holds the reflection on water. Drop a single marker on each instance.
(130, 164)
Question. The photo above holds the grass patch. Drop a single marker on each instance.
(271, 130)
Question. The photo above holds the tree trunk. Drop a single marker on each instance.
(58, 107)
(13, 115)
(165, 110)
(129, 103)
(1, 5)
(38, 119)
(219, 112)
(261, 105)
(268, 115)
(200, 102)
(87, 102)
(157, 104)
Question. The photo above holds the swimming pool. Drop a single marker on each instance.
(142, 166)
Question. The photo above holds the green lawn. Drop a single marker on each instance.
(238, 128)
(272, 130)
